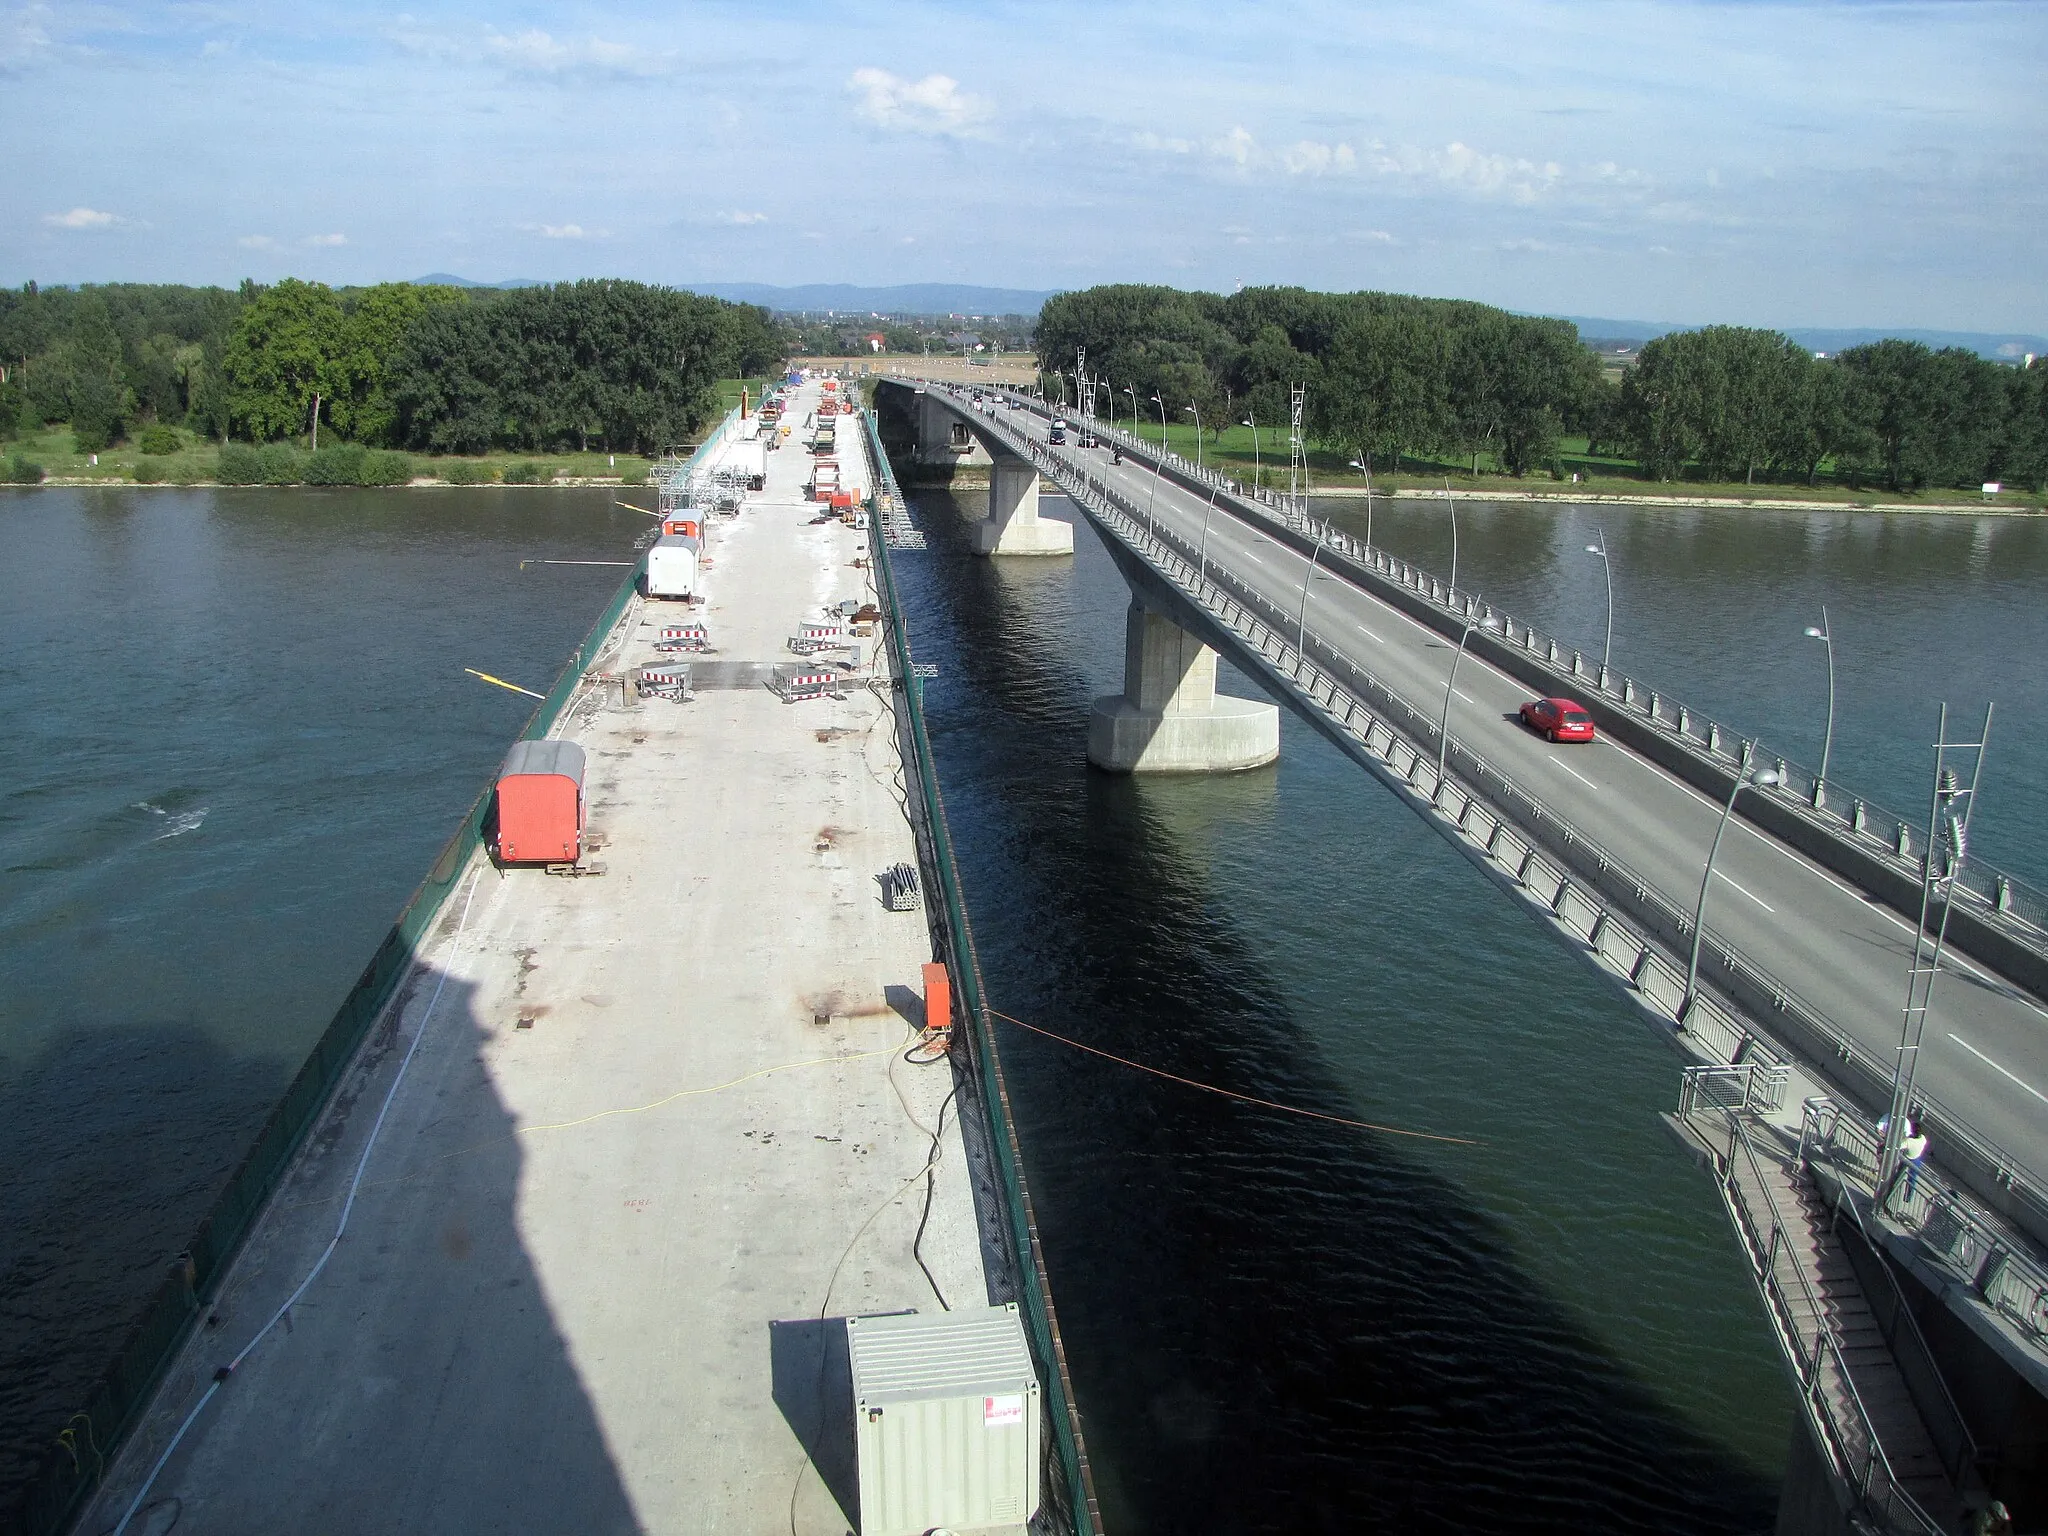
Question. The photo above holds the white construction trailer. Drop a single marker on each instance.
(672, 567)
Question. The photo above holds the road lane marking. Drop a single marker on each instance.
(1752, 895)
(1250, 556)
(1994, 1066)
(1461, 693)
(1571, 770)
(1368, 634)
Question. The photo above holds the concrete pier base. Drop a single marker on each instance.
(1169, 718)
(1014, 526)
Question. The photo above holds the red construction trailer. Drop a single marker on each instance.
(540, 803)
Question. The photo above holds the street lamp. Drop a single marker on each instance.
(1763, 778)
(1443, 724)
(1152, 501)
(1198, 434)
(1134, 408)
(1606, 566)
(1827, 745)
(1211, 507)
(1367, 472)
(1258, 465)
(1454, 535)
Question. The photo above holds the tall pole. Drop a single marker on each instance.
(1443, 723)
(1827, 745)
(1607, 647)
(1198, 434)
(1764, 779)
(1301, 619)
(1366, 470)
(1944, 826)
(1152, 500)
(1211, 507)
(1454, 535)
(1258, 466)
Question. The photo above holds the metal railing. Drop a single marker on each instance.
(2012, 905)
(1835, 1410)
(1068, 1481)
(1995, 1265)
(1750, 1087)
(1718, 1031)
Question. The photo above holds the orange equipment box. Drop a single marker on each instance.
(540, 803)
(938, 996)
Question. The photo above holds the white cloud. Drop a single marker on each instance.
(1310, 158)
(23, 36)
(1489, 175)
(1152, 141)
(538, 52)
(1371, 237)
(738, 217)
(565, 231)
(82, 218)
(256, 243)
(1236, 146)
(934, 105)
(325, 240)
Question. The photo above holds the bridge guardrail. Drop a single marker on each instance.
(1718, 1031)
(1842, 1422)
(1994, 1264)
(2001, 904)
(1072, 1488)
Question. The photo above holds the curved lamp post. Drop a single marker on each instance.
(1763, 778)
(1198, 434)
(1152, 501)
(1258, 466)
(1454, 535)
(1607, 568)
(1367, 472)
(1827, 635)
(1443, 724)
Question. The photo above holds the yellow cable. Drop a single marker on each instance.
(691, 1093)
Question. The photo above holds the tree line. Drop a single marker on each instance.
(599, 364)
(1389, 377)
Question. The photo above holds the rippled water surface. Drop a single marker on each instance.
(1277, 1324)
(238, 730)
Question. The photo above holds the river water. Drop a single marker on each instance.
(239, 732)
(1277, 1324)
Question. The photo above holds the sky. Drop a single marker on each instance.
(1747, 161)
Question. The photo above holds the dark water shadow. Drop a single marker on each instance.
(422, 1383)
(1270, 1327)
(97, 1115)
(813, 1375)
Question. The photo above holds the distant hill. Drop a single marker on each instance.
(450, 280)
(905, 299)
(1999, 346)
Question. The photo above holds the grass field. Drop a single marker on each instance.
(1233, 452)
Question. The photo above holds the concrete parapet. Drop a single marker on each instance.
(1169, 718)
(1014, 526)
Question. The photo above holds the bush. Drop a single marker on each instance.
(239, 465)
(339, 464)
(383, 468)
(633, 474)
(186, 473)
(281, 463)
(90, 440)
(466, 472)
(529, 473)
(147, 473)
(160, 439)
(19, 471)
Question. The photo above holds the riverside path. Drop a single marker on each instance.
(629, 1148)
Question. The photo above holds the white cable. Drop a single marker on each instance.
(362, 1166)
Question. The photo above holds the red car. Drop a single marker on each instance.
(1558, 719)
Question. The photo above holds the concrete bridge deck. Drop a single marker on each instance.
(658, 1133)
(1838, 948)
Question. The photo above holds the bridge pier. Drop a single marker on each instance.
(1014, 526)
(943, 438)
(1169, 718)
